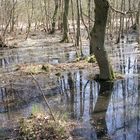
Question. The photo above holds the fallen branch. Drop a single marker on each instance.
(43, 96)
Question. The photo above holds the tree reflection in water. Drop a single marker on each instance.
(87, 102)
(104, 109)
(101, 106)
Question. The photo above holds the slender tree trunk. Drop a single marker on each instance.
(1, 42)
(82, 19)
(60, 5)
(65, 22)
(78, 24)
(7, 23)
(30, 15)
(46, 15)
(89, 14)
(54, 17)
(13, 17)
(121, 25)
(97, 40)
(138, 22)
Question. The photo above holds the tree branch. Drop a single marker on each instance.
(121, 12)
(41, 91)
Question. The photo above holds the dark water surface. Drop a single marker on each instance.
(103, 110)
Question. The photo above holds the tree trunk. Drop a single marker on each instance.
(2, 44)
(78, 24)
(89, 14)
(138, 22)
(54, 17)
(13, 17)
(65, 22)
(97, 40)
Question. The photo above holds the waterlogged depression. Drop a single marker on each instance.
(102, 110)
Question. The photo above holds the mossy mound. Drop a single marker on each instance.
(89, 59)
(35, 69)
(42, 128)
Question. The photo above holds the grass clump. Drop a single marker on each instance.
(36, 69)
(42, 128)
(89, 59)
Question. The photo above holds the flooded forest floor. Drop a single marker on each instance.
(96, 110)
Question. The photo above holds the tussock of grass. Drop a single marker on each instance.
(35, 69)
(89, 59)
(40, 127)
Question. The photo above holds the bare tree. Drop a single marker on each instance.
(65, 37)
(97, 40)
(54, 17)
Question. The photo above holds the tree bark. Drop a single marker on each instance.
(78, 24)
(138, 22)
(65, 22)
(2, 44)
(97, 40)
(54, 17)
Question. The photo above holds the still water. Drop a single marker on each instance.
(102, 110)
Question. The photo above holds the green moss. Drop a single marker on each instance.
(91, 59)
(35, 69)
(58, 74)
(45, 68)
(118, 75)
(112, 75)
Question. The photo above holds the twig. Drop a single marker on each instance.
(41, 91)
(87, 16)
(84, 21)
(4, 32)
(122, 12)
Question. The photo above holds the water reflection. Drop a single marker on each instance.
(9, 59)
(99, 114)
(105, 110)
(17, 98)
(123, 113)
(125, 58)
(75, 90)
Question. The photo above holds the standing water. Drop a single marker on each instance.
(103, 110)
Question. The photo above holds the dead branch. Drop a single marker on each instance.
(87, 16)
(41, 91)
(122, 12)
